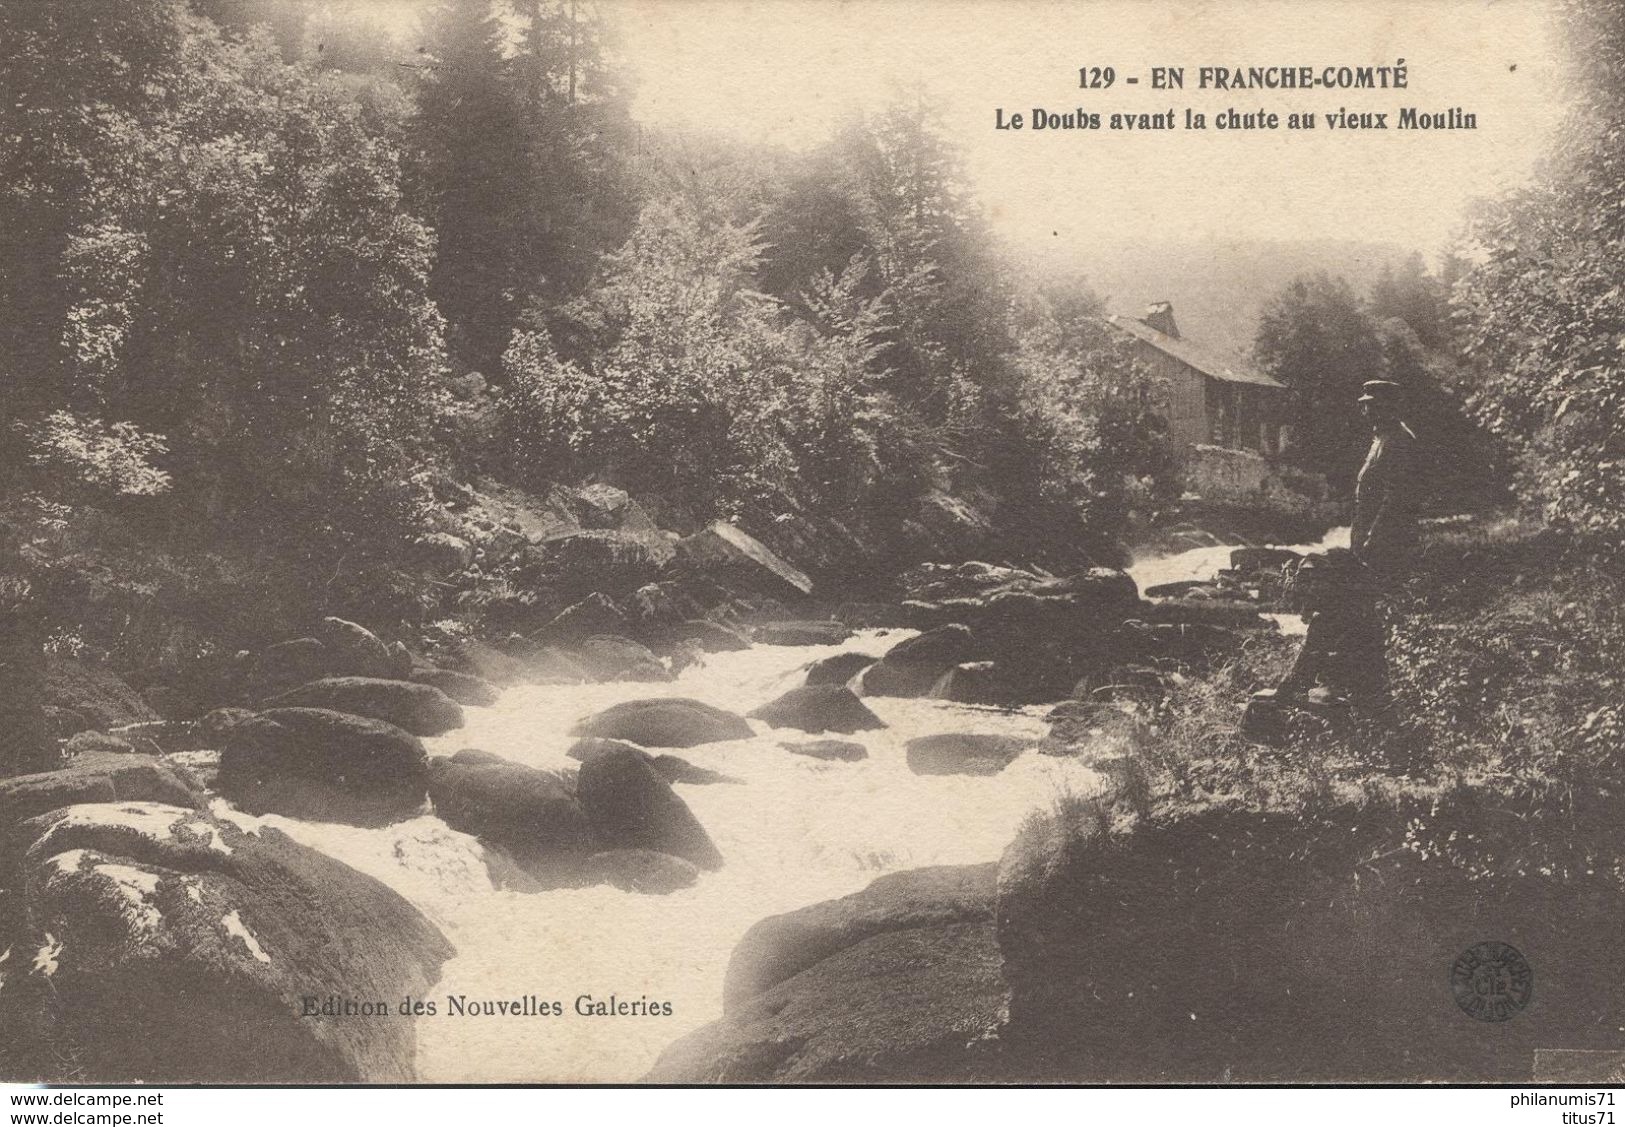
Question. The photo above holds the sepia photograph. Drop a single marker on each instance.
(812, 542)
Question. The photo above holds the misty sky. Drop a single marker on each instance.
(786, 70)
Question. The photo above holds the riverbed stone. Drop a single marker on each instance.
(815, 633)
(322, 765)
(420, 709)
(735, 560)
(818, 709)
(464, 688)
(530, 812)
(665, 722)
(712, 637)
(897, 982)
(355, 651)
(911, 667)
(629, 806)
(611, 657)
(839, 669)
(136, 910)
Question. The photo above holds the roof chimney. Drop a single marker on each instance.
(1160, 316)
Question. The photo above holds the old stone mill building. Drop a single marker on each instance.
(1228, 421)
(1211, 401)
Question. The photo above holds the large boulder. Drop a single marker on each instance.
(733, 558)
(839, 669)
(533, 665)
(533, 814)
(287, 665)
(911, 667)
(781, 947)
(325, 766)
(464, 688)
(712, 637)
(964, 753)
(355, 651)
(95, 692)
(92, 777)
(629, 806)
(672, 768)
(892, 984)
(664, 722)
(610, 657)
(1336, 930)
(422, 710)
(166, 946)
(824, 633)
(817, 709)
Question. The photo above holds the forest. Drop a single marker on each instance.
(350, 377)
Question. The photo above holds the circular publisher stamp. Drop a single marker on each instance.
(1491, 981)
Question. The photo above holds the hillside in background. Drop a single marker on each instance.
(1218, 288)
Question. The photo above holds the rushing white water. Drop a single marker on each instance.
(794, 831)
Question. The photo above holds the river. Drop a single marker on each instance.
(794, 831)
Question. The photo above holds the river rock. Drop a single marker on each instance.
(712, 637)
(287, 665)
(641, 870)
(826, 633)
(664, 722)
(136, 911)
(819, 708)
(610, 657)
(531, 813)
(464, 688)
(734, 559)
(780, 947)
(92, 777)
(672, 768)
(839, 669)
(324, 766)
(355, 651)
(803, 1000)
(964, 753)
(630, 807)
(911, 667)
(845, 751)
(422, 710)
(974, 682)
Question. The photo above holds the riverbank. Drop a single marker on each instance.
(952, 746)
(1231, 912)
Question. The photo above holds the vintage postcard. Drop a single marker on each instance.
(734, 542)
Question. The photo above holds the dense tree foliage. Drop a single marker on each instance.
(1545, 303)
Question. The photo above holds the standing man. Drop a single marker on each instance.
(1343, 651)
(1383, 532)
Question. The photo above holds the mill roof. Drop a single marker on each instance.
(1193, 355)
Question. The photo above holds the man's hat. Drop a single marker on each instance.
(1379, 391)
